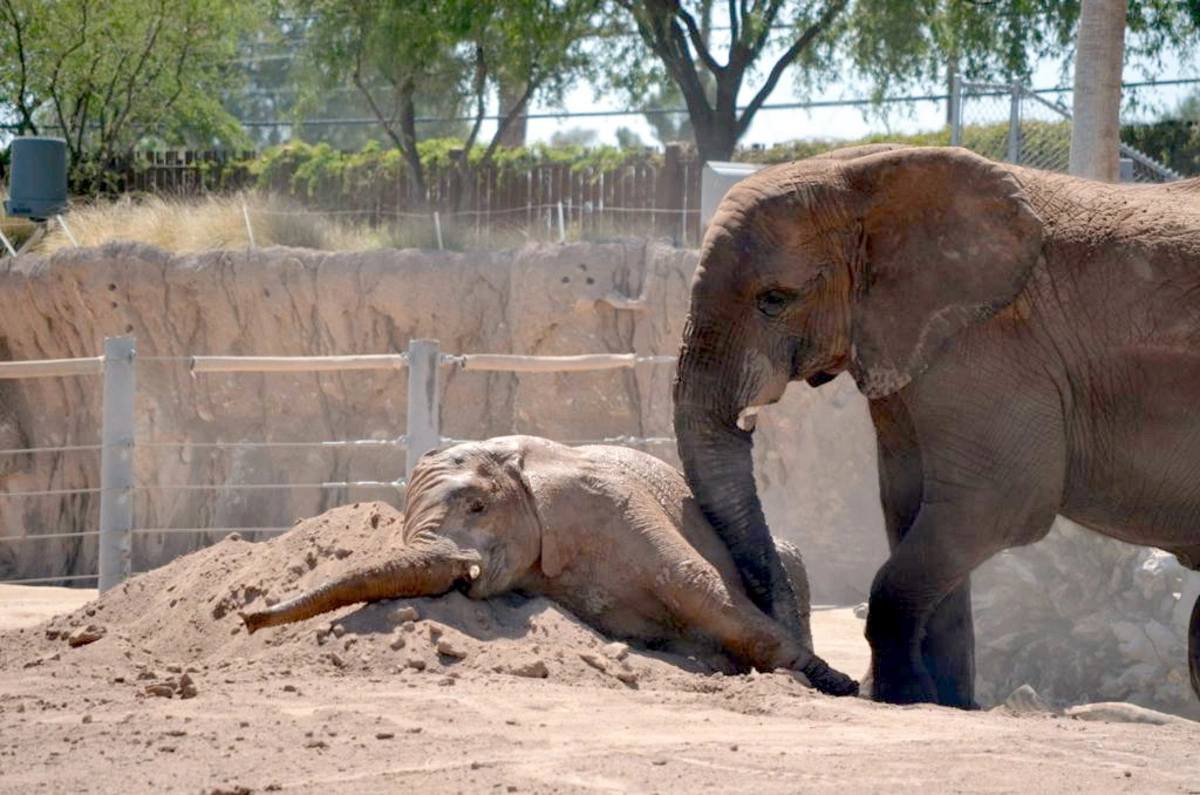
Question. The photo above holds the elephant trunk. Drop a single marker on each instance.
(719, 468)
(429, 567)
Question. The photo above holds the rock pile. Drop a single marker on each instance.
(1081, 618)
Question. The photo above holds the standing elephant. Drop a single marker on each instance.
(609, 533)
(1029, 344)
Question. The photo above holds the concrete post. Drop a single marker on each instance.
(956, 111)
(1013, 155)
(424, 423)
(116, 462)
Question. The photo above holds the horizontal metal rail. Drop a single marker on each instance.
(69, 448)
(47, 580)
(344, 484)
(296, 364)
(49, 368)
(48, 536)
(503, 362)
(400, 441)
(50, 492)
(146, 531)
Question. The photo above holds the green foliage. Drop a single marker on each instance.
(714, 54)
(107, 75)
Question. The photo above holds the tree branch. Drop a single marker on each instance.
(793, 52)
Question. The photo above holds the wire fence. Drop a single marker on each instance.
(1038, 133)
(423, 362)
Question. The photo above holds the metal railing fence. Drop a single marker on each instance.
(1038, 133)
(423, 360)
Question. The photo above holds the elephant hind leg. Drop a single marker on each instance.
(1190, 558)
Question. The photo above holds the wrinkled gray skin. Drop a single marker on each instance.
(609, 533)
(1029, 344)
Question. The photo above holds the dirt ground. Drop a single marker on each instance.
(156, 688)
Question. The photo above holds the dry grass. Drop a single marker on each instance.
(187, 225)
(218, 222)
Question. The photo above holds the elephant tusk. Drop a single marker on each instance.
(473, 572)
(747, 417)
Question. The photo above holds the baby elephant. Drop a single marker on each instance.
(609, 533)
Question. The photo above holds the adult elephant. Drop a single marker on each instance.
(1029, 344)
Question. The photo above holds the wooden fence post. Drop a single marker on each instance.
(669, 198)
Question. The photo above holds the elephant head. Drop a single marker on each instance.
(866, 260)
(471, 520)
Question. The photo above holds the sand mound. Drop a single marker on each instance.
(184, 617)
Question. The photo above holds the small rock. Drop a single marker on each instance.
(594, 661)
(403, 614)
(409, 626)
(85, 635)
(860, 611)
(416, 663)
(435, 632)
(289, 688)
(615, 651)
(398, 642)
(87, 718)
(337, 659)
(1025, 699)
(187, 687)
(627, 675)
(322, 637)
(384, 735)
(338, 630)
(160, 691)
(1121, 712)
(448, 648)
(532, 670)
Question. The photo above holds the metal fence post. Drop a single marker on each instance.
(424, 424)
(1014, 126)
(116, 462)
(956, 97)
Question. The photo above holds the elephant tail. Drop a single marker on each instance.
(417, 571)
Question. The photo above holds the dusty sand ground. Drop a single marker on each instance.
(171, 695)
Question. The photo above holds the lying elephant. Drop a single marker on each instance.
(1029, 344)
(609, 533)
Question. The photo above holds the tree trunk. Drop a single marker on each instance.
(1095, 132)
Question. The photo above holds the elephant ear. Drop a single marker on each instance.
(553, 499)
(948, 239)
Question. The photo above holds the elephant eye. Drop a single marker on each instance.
(772, 302)
(476, 506)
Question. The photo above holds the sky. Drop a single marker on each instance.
(848, 122)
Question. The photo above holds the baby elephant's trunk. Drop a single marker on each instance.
(427, 569)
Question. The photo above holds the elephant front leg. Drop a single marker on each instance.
(919, 623)
(947, 650)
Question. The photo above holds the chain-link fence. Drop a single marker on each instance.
(1012, 123)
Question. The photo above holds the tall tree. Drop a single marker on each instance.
(884, 44)
(108, 74)
(478, 52)
(1096, 109)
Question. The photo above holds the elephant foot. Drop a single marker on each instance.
(901, 686)
(827, 680)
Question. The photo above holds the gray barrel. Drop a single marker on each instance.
(37, 182)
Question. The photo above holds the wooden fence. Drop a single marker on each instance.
(648, 194)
